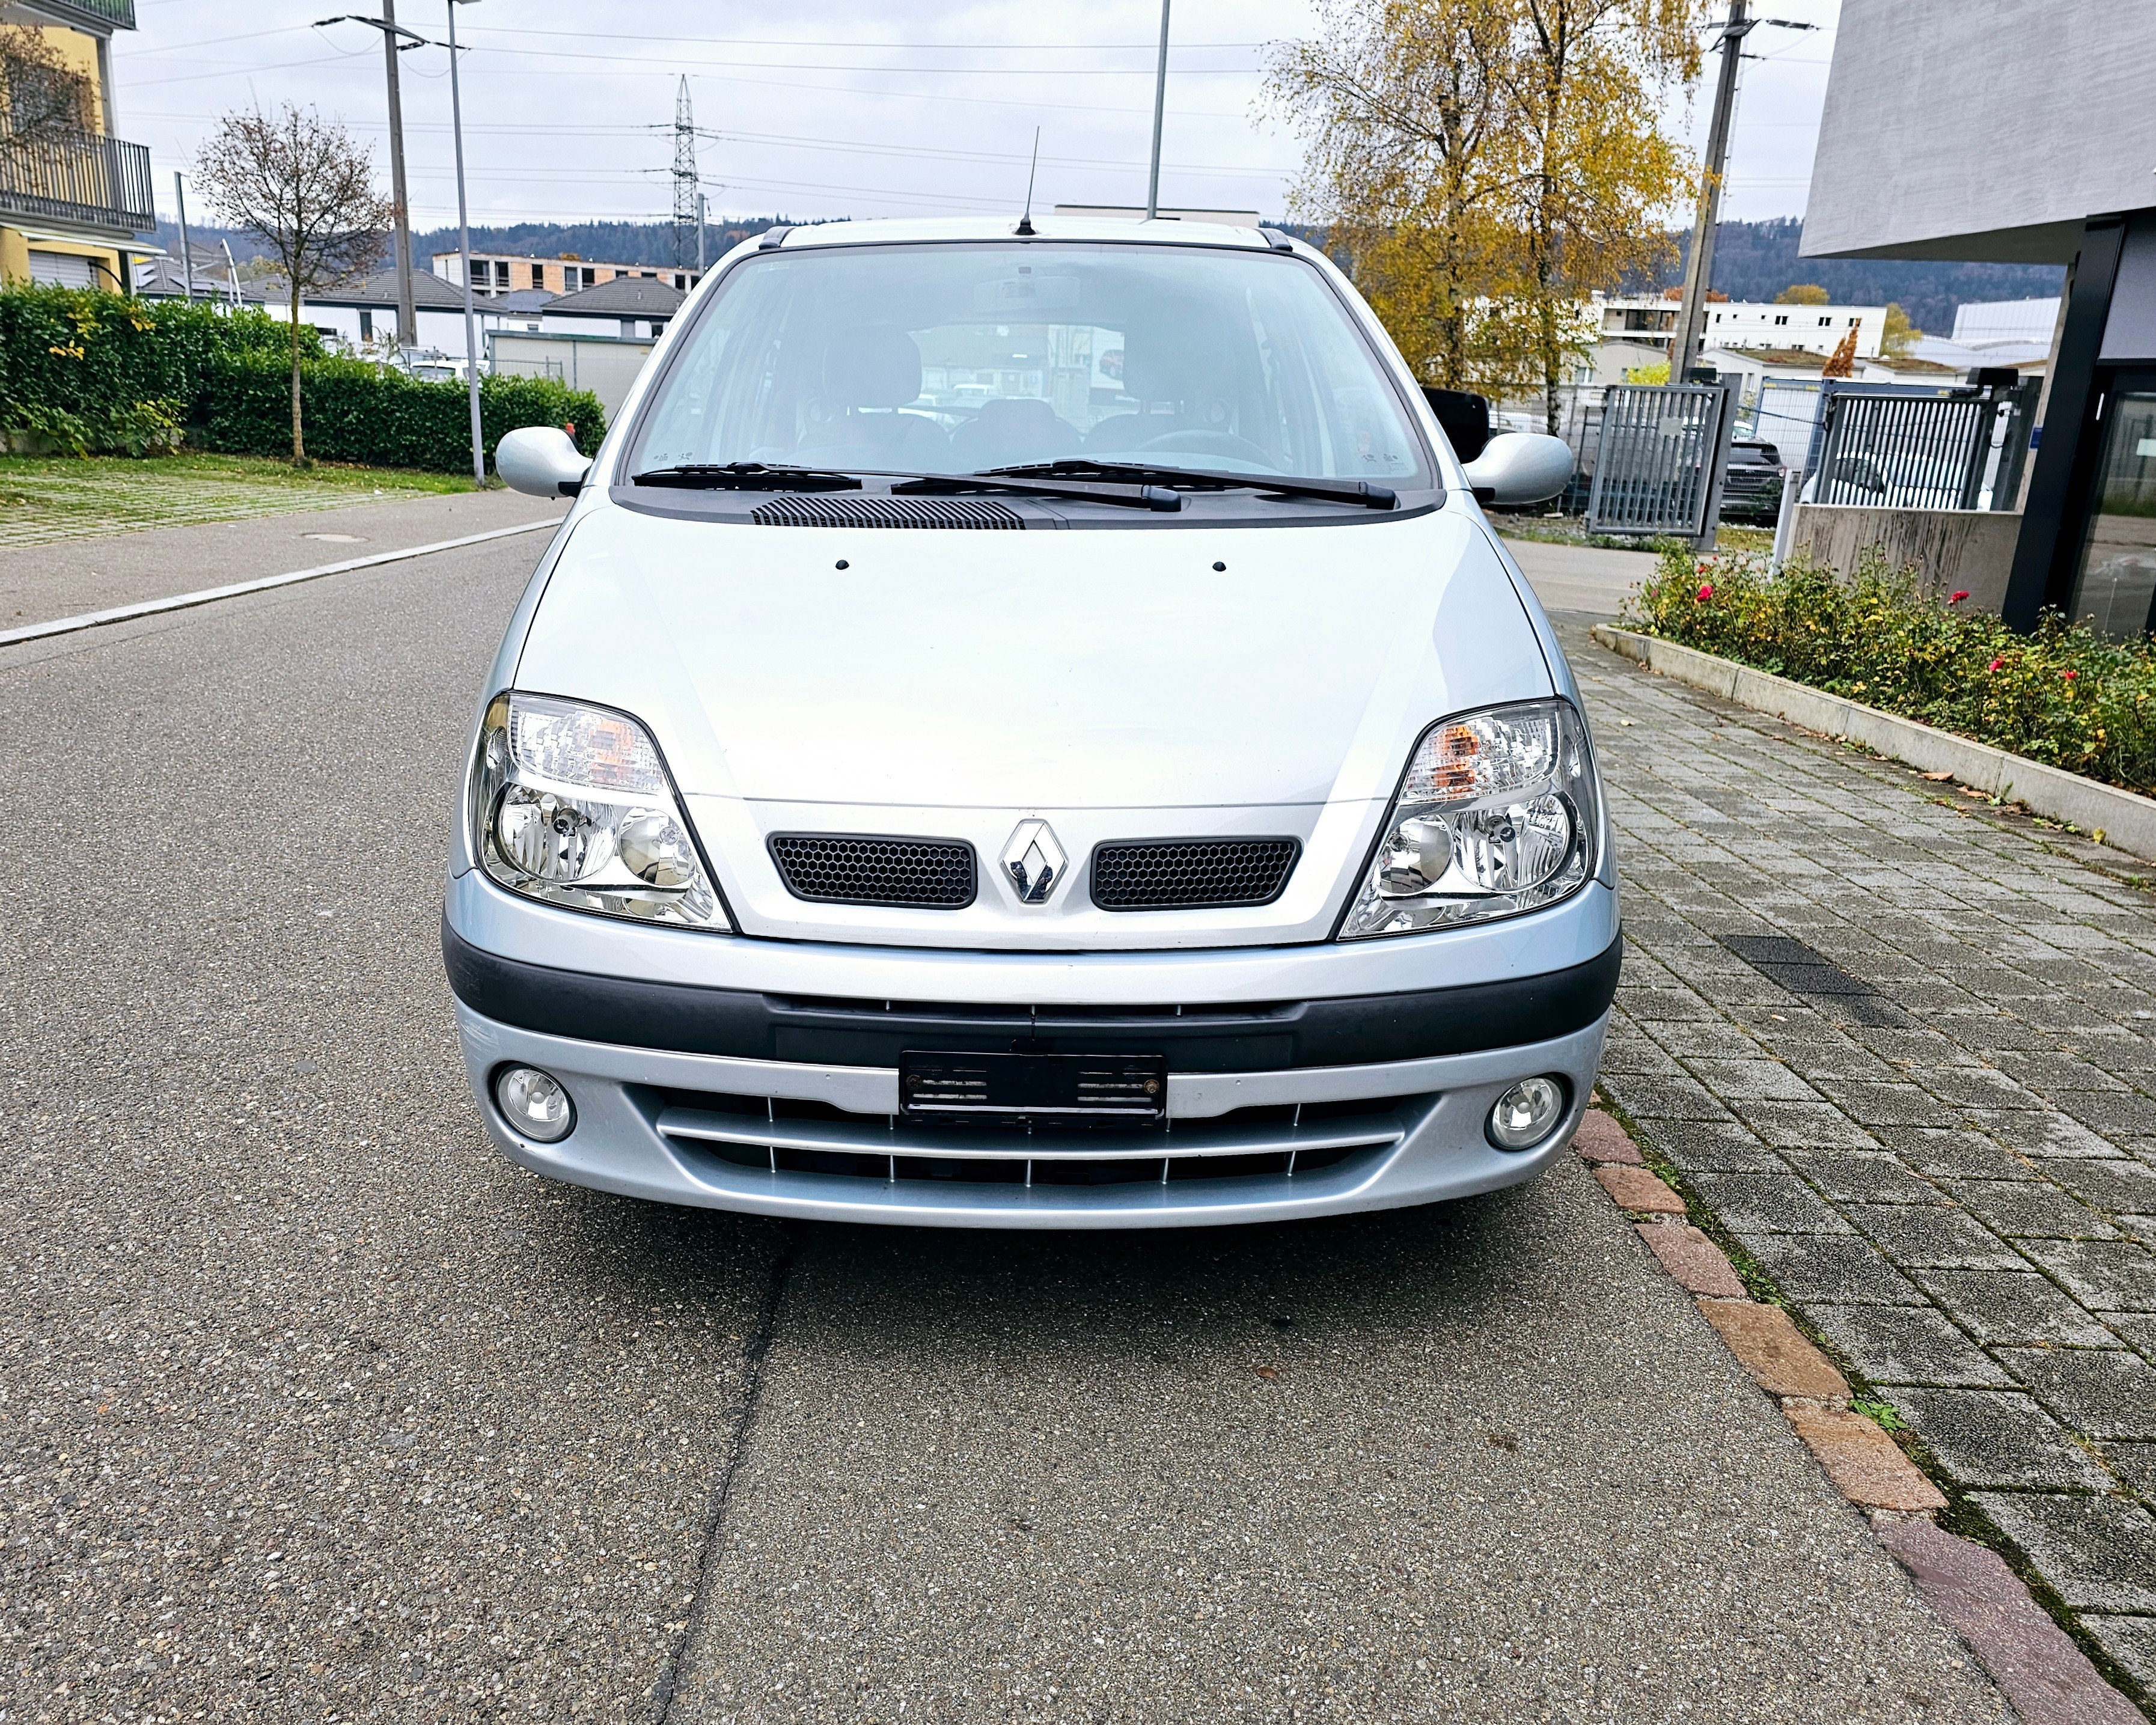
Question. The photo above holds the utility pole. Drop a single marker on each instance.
(464, 253)
(395, 40)
(187, 251)
(684, 173)
(1692, 322)
(408, 316)
(1159, 113)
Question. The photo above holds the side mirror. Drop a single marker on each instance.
(539, 460)
(1520, 467)
(1464, 419)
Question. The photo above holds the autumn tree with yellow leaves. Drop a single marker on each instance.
(1485, 164)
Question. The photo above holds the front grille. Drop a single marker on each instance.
(1279, 1142)
(1191, 873)
(849, 869)
(875, 511)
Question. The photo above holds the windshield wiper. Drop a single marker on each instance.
(746, 476)
(1131, 495)
(1369, 496)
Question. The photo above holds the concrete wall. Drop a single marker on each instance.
(1952, 549)
(1981, 129)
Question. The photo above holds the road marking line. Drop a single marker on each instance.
(184, 601)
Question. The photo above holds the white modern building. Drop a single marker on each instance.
(1745, 325)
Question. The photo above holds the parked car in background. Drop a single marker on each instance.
(1752, 483)
(1188, 817)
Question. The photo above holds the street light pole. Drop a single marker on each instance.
(186, 250)
(1159, 113)
(464, 251)
(1692, 322)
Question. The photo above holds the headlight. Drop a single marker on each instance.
(571, 804)
(1499, 813)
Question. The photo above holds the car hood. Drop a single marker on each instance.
(1130, 667)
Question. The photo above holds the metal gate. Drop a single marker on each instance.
(1958, 450)
(1658, 468)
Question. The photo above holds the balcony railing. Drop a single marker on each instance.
(108, 14)
(80, 178)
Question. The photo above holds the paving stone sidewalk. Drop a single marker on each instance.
(1909, 1056)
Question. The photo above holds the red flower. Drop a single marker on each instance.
(2070, 676)
(1958, 598)
(1705, 591)
(1995, 664)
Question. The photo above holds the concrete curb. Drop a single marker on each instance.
(2118, 818)
(208, 595)
(2035, 1664)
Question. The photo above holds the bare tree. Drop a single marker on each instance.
(305, 188)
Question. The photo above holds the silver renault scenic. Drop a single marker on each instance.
(1027, 727)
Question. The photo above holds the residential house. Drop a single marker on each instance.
(2021, 131)
(73, 196)
(631, 307)
(1744, 324)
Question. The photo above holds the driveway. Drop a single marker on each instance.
(314, 1408)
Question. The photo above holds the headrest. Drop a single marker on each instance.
(1180, 360)
(1017, 416)
(875, 366)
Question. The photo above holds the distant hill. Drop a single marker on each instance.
(1756, 260)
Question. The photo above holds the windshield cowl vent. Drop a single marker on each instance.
(878, 511)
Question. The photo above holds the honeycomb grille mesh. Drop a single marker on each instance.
(794, 511)
(842, 868)
(1191, 873)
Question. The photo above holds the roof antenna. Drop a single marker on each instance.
(1025, 221)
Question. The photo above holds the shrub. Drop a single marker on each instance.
(87, 371)
(2065, 694)
(356, 411)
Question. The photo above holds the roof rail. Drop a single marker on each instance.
(773, 238)
(1277, 240)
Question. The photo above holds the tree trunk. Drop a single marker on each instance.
(299, 442)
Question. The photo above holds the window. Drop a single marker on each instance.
(955, 357)
(366, 326)
(501, 272)
(539, 275)
(628, 327)
(1826, 323)
(1782, 319)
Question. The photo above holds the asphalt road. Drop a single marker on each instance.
(310, 1408)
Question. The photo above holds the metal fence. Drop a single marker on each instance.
(1947, 449)
(1659, 457)
(101, 181)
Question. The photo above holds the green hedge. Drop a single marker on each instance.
(91, 371)
(2065, 696)
(355, 411)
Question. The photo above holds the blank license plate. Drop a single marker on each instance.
(1103, 1089)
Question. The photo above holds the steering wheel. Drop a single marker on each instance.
(1211, 443)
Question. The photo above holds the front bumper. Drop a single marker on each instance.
(1285, 1098)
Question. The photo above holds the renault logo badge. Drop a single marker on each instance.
(1034, 861)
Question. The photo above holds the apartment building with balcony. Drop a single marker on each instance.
(512, 272)
(73, 195)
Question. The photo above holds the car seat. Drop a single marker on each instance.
(869, 373)
(1009, 432)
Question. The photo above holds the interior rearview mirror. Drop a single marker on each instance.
(1517, 467)
(540, 461)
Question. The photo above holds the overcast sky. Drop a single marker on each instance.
(844, 107)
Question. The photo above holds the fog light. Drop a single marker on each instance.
(1527, 1114)
(534, 1104)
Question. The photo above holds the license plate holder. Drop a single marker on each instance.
(1054, 1089)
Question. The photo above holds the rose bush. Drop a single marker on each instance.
(2065, 694)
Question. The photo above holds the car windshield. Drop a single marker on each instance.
(960, 358)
